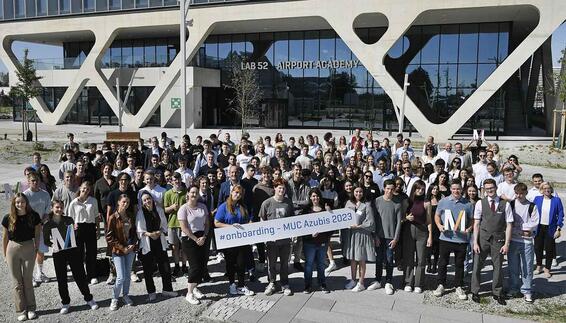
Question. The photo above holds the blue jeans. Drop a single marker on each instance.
(123, 266)
(520, 260)
(384, 252)
(314, 252)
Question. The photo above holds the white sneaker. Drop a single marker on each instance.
(191, 299)
(418, 290)
(233, 290)
(127, 300)
(64, 309)
(152, 297)
(245, 291)
(92, 304)
(23, 317)
(220, 257)
(135, 278)
(331, 267)
(408, 289)
(351, 284)
(389, 290)
(270, 289)
(114, 304)
(554, 263)
(198, 294)
(111, 280)
(374, 286)
(31, 315)
(286, 290)
(34, 283)
(528, 298)
(169, 293)
(94, 281)
(439, 291)
(359, 287)
(461, 294)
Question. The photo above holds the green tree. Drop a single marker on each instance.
(27, 88)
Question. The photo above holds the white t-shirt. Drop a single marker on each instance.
(83, 212)
(156, 193)
(195, 217)
(545, 212)
(506, 189)
(243, 160)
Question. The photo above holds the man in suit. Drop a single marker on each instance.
(226, 187)
(493, 224)
(153, 150)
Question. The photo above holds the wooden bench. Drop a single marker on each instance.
(122, 138)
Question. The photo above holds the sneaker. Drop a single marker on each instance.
(197, 293)
(220, 257)
(43, 278)
(374, 286)
(64, 309)
(251, 276)
(34, 283)
(308, 290)
(324, 289)
(31, 315)
(206, 278)
(461, 294)
(114, 304)
(537, 271)
(389, 290)
(169, 293)
(22, 317)
(135, 278)
(94, 281)
(359, 287)
(408, 289)
(152, 297)
(418, 290)
(439, 291)
(270, 289)
(287, 291)
(528, 298)
(192, 299)
(351, 284)
(554, 263)
(513, 294)
(233, 290)
(245, 291)
(331, 267)
(111, 280)
(92, 304)
(127, 300)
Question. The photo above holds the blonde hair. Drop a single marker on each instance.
(549, 185)
(231, 204)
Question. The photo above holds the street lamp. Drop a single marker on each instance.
(402, 114)
(183, 11)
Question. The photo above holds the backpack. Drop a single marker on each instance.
(531, 207)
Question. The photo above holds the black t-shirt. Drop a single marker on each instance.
(113, 197)
(25, 227)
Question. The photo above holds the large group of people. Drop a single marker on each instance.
(413, 208)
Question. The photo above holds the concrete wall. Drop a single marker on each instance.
(336, 14)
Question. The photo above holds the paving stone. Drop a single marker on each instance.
(320, 303)
(285, 309)
(453, 314)
(314, 315)
(246, 316)
(405, 306)
(488, 318)
(375, 313)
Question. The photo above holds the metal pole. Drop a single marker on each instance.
(119, 102)
(562, 128)
(183, 42)
(554, 128)
(402, 114)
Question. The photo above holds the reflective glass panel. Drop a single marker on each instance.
(449, 44)
(468, 43)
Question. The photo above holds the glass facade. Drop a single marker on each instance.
(27, 9)
(445, 64)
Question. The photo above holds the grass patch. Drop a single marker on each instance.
(542, 313)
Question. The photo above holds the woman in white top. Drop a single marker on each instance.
(430, 155)
(84, 212)
(194, 219)
(151, 226)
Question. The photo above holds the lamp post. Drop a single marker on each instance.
(183, 10)
(402, 114)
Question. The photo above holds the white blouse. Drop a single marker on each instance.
(83, 212)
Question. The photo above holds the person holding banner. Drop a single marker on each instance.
(20, 242)
(194, 220)
(233, 213)
(275, 207)
(59, 234)
(453, 218)
(315, 245)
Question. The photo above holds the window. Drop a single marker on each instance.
(449, 44)
(64, 6)
(41, 7)
(8, 9)
(488, 40)
(77, 6)
(468, 52)
(116, 4)
(149, 53)
(161, 52)
(19, 6)
(53, 7)
(89, 5)
(141, 3)
(138, 49)
(101, 5)
(30, 8)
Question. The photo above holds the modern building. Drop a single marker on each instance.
(319, 63)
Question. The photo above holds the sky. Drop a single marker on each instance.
(56, 52)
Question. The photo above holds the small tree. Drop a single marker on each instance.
(28, 87)
(244, 82)
(561, 95)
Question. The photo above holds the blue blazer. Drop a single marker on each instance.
(224, 192)
(556, 213)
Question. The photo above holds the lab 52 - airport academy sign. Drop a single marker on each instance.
(289, 65)
(295, 226)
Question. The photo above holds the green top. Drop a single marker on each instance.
(171, 197)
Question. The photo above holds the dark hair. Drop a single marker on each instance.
(520, 187)
(454, 182)
(279, 181)
(429, 195)
(489, 181)
(388, 182)
(153, 212)
(537, 175)
(314, 190)
(418, 184)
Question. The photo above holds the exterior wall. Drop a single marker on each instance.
(339, 15)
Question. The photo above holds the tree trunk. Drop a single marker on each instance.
(23, 125)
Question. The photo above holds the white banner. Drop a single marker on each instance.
(294, 226)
